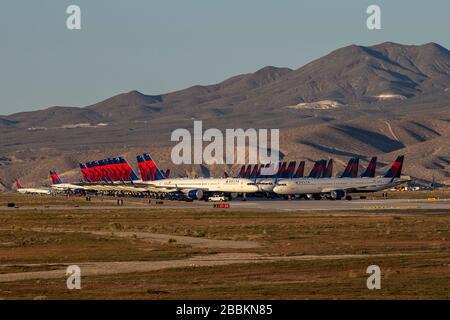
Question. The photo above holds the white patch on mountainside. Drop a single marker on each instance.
(323, 104)
(83, 125)
(389, 96)
(36, 128)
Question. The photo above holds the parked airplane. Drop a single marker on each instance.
(23, 190)
(191, 189)
(337, 188)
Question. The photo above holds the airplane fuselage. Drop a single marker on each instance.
(228, 185)
(326, 185)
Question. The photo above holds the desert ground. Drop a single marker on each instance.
(161, 251)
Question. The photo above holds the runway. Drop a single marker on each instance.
(264, 205)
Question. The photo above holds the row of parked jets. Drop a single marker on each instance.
(115, 175)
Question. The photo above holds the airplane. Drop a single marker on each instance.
(23, 190)
(191, 189)
(287, 171)
(338, 188)
(59, 186)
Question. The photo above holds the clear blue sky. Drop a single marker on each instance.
(157, 46)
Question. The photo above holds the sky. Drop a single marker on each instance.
(158, 46)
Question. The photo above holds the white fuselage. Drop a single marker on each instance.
(231, 185)
(326, 185)
(266, 184)
(33, 191)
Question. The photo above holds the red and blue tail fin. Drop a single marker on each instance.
(355, 167)
(108, 170)
(247, 171)
(155, 173)
(130, 175)
(85, 172)
(315, 169)
(254, 172)
(371, 168)
(348, 169)
(143, 168)
(318, 169)
(289, 172)
(55, 178)
(241, 172)
(281, 170)
(396, 169)
(18, 185)
(328, 172)
(300, 170)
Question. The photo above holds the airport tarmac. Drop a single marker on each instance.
(265, 204)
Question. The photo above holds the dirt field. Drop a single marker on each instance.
(218, 254)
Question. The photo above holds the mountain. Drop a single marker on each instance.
(384, 99)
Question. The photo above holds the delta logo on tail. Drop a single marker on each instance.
(154, 173)
(55, 178)
(396, 169)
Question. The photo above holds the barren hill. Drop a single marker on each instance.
(381, 100)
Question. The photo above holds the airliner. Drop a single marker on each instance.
(23, 190)
(338, 188)
(193, 189)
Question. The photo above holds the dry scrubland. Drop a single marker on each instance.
(412, 249)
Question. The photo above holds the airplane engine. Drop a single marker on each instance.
(337, 194)
(194, 194)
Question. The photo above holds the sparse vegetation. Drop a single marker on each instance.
(48, 240)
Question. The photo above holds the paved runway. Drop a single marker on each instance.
(263, 204)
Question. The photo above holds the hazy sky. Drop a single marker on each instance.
(157, 46)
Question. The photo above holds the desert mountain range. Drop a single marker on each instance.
(386, 100)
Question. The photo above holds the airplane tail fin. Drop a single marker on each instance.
(371, 167)
(85, 172)
(281, 170)
(18, 184)
(254, 172)
(300, 170)
(355, 167)
(155, 173)
(317, 170)
(143, 168)
(55, 178)
(247, 171)
(289, 172)
(241, 172)
(396, 169)
(348, 168)
(328, 172)
(129, 172)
